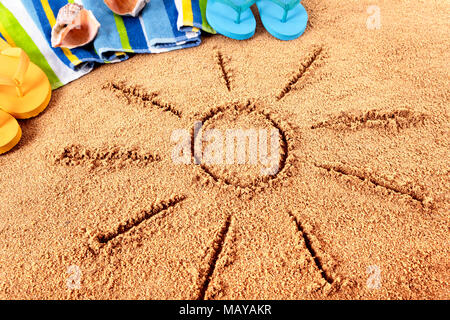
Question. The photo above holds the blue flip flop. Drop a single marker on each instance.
(232, 18)
(284, 19)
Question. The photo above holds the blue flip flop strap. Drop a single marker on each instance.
(287, 6)
(238, 8)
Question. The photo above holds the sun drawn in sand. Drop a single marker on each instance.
(246, 182)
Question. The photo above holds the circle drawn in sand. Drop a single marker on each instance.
(239, 145)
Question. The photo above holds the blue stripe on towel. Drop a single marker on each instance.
(172, 14)
(196, 14)
(135, 34)
(158, 25)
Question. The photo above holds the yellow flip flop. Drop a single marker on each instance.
(24, 88)
(10, 132)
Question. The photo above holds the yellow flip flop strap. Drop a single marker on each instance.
(24, 62)
(4, 45)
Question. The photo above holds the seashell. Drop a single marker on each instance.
(75, 27)
(126, 7)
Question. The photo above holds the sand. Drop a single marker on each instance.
(92, 205)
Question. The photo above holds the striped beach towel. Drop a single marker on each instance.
(28, 23)
(192, 15)
(154, 31)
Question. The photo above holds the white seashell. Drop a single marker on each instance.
(75, 27)
(126, 7)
